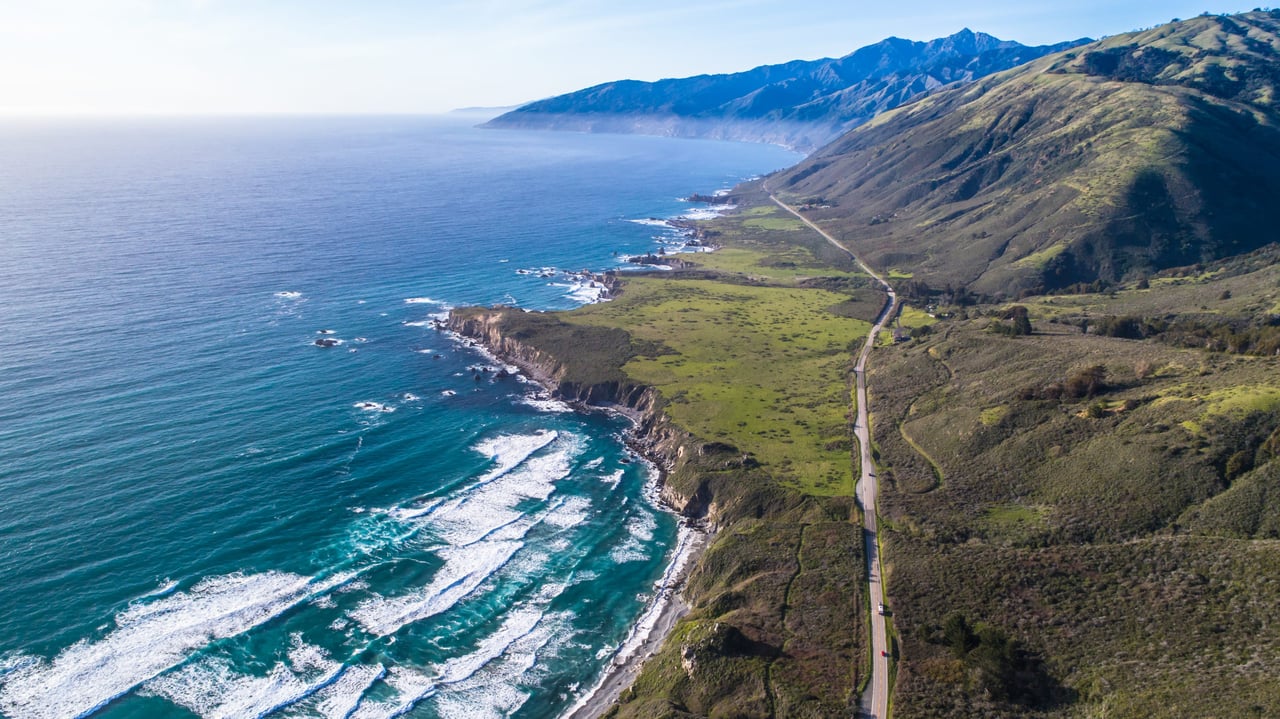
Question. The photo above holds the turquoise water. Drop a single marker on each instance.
(207, 514)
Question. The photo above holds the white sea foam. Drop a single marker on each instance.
(166, 587)
(342, 696)
(593, 464)
(448, 393)
(652, 222)
(643, 629)
(410, 397)
(544, 403)
(482, 527)
(707, 213)
(496, 687)
(631, 550)
(465, 568)
(373, 407)
(417, 323)
(516, 625)
(588, 292)
(212, 689)
(613, 479)
(403, 513)
(507, 451)
(492, 504)
(421, 301)
(570, 513)
(642, 525)
(149, 639)
(411, 687)
(289, 295)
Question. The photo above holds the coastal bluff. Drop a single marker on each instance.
(774, 624)
(579, 365)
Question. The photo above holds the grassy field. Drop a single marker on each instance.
(762, 368)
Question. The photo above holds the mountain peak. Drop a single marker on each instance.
(800, 104)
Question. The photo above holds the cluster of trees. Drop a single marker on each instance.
(1017, 323)
(1260, 337)
(1240, 444)
(996, 664)
(1083, 384)
(1131, 64)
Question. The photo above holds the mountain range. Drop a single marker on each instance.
(1109, 162)
(801, 104)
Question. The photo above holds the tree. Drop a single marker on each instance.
(1021, 320)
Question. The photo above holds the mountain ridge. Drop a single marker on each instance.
(1108, 161)
(800, 104)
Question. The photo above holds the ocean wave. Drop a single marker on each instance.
(631, 550)
(410, 686)
(492, 504)
(613, 479)
(341, 697)
(544, 403)
(642, 525)
(516, 625)
(212, 689)
(483, 529)
(707, 213)
(507, 452)
(421, 301)
(496, 688)
(465, 568)
(150, 638)
(289, 295)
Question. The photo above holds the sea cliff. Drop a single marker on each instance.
(654, 436)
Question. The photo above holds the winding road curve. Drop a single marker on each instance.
(875, 701)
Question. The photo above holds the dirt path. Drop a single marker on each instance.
(875, 701)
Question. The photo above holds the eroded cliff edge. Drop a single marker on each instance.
(581, 374)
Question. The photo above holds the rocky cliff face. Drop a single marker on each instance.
(654, 435)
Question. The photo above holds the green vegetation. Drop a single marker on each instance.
(1112, 161)
(1104, 533)
(789, 224)
(760, 368)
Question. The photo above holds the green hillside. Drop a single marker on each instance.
(1108, 161)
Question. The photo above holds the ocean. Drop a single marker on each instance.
(208, 514)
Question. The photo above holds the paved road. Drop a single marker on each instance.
(875, 701)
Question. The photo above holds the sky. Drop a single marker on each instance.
(107, 57)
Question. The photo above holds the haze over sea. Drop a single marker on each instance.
(205, 513)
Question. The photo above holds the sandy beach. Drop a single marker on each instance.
(652, 629)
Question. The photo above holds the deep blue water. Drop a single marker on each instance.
(205, 513)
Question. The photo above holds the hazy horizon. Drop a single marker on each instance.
(390, 57)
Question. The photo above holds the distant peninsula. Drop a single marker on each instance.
(801, 104)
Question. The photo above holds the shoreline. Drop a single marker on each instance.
(667, 607)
